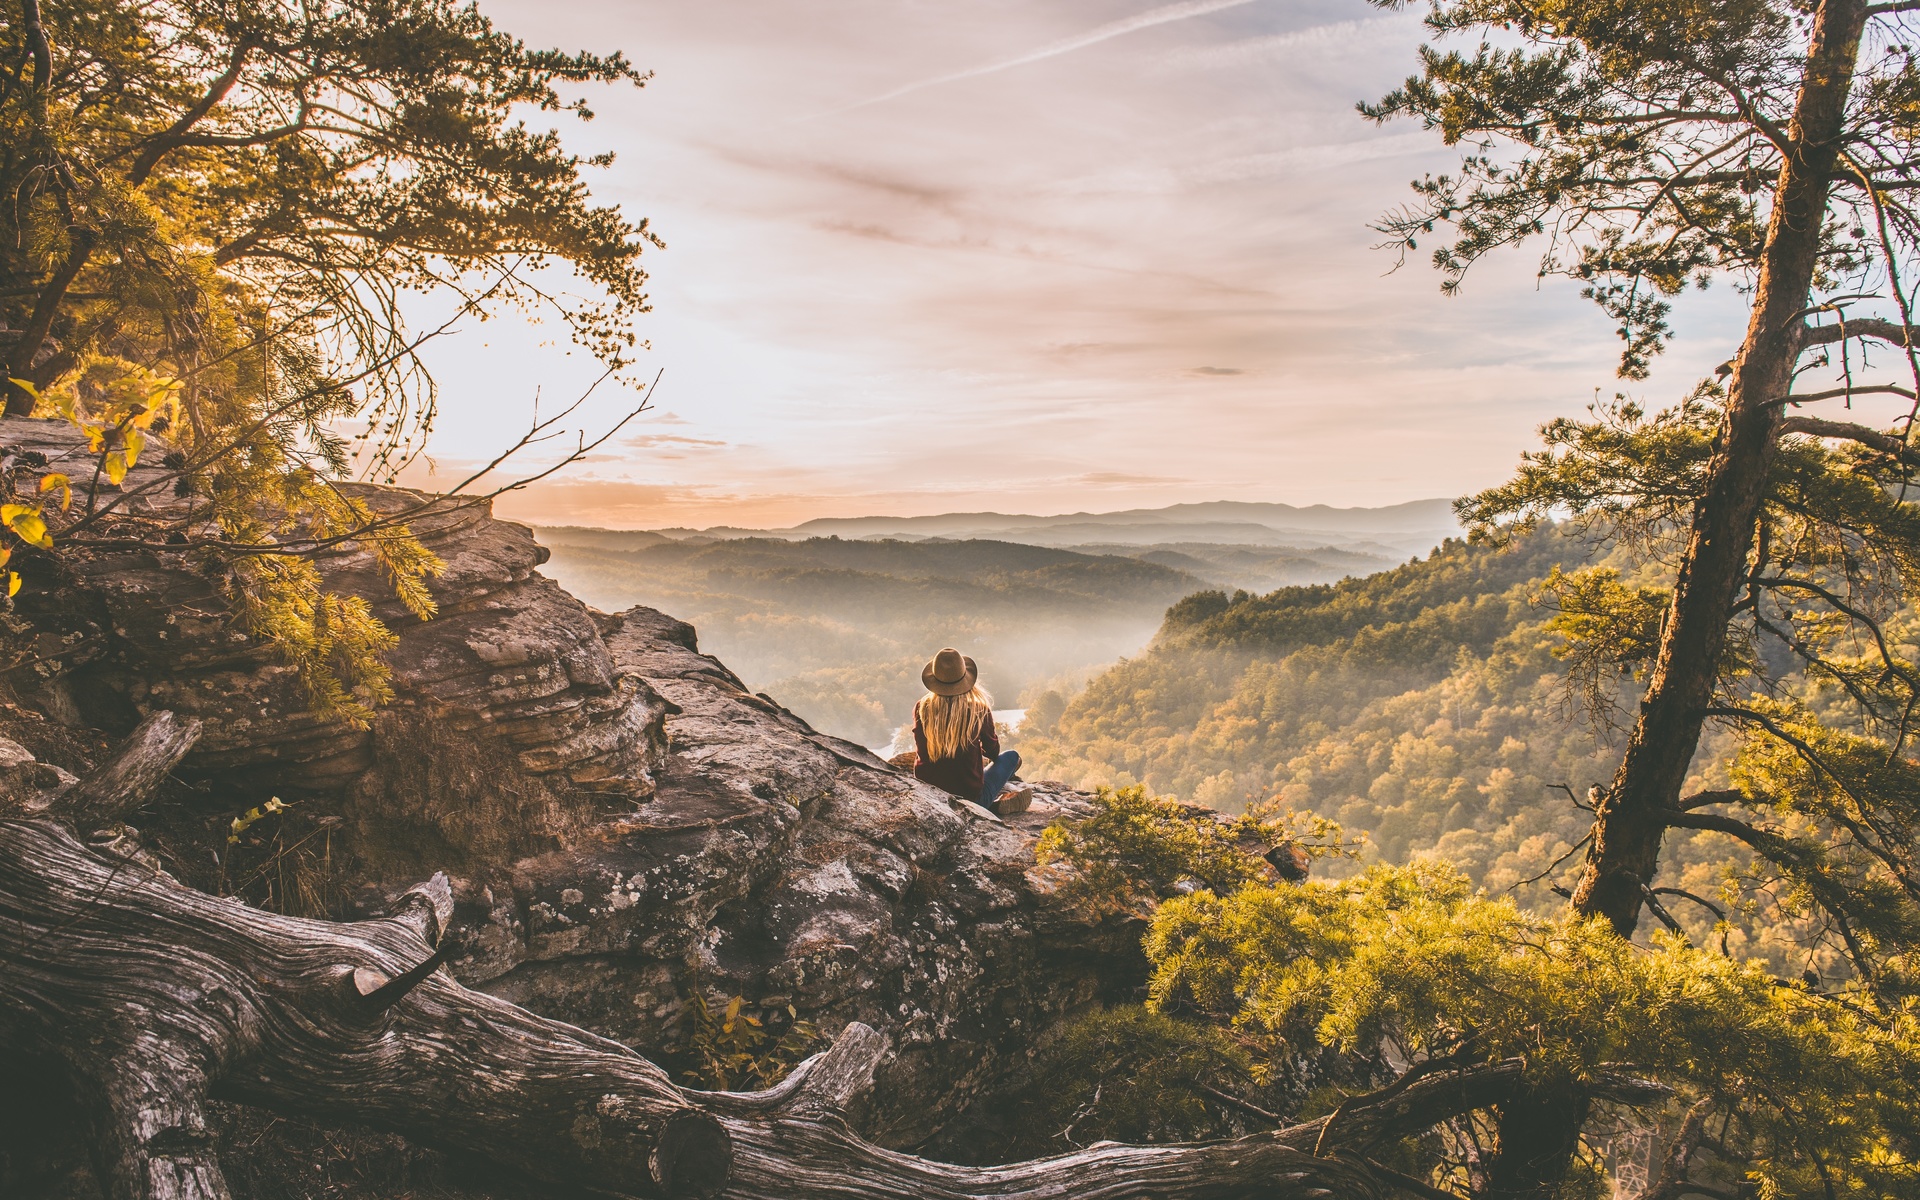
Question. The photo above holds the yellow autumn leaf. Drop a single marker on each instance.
(6, 552)
(31, 529)
(13, 582)
(162, 399)
(136, 442)
(24, 386)
(54, 479)
(115, 466)
(96, 438)
(9, 511)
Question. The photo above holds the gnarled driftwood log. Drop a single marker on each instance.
(151, 997)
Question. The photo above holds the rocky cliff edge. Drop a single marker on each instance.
(626, 823)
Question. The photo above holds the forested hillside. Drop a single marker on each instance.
(1423, 706)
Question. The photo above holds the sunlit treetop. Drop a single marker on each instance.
(303, 167)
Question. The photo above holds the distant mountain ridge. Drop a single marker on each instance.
(1391, 530)
(838, 628)
(1410, 517)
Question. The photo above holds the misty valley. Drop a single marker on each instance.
(835, 618)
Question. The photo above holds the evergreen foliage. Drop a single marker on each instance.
(1811, 1098)
(1302, 999)
(1138, 848)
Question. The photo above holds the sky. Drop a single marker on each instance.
(1028, 256)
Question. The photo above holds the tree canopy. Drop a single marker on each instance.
(1651, 145)
(218, 211)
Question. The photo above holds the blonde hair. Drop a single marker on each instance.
(952, 723)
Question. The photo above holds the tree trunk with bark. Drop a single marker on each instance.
(1632, 813)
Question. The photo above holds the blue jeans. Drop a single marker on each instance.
(998, 772)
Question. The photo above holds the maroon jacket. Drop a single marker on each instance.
(964, 774)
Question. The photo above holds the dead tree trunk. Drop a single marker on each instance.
(130, 777)
(152, 997)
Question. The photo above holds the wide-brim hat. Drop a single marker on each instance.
(949, 673)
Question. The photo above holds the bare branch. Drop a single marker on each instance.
(1836, 393)
(1840, 605)
(1891, 332)
(1720, 796)
(1233, 1101)
(1765, 842)
(158, 146)
(1555, 864)
(1659, 910)
(1684, 894)
(1886, 443)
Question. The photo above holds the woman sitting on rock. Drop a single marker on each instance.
(955, 746)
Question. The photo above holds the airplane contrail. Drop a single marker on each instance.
(1163, 15)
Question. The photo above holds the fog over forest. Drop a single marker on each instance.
(834, 618)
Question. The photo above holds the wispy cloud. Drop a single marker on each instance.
(1367, 32)
(1030, 269)
(1166, 14)
(1244, 168)
(642, 441)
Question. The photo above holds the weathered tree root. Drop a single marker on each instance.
(152, 997)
